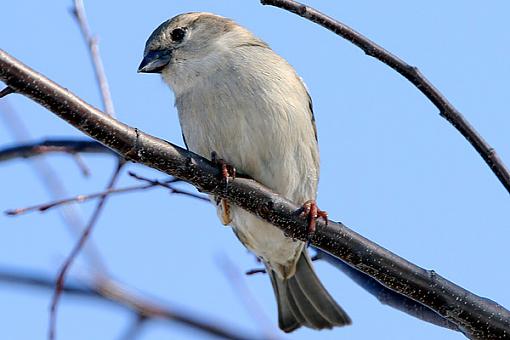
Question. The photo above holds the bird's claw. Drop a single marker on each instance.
(312, 212)
(227, 172)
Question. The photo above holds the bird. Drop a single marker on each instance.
(244, 107)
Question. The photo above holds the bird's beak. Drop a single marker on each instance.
(155, 61)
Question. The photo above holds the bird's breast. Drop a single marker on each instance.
(259, 122)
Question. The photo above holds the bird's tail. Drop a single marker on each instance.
(303, 301)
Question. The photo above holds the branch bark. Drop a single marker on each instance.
(411, 73)
(476, 317)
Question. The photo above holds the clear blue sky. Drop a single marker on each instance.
(392, 169)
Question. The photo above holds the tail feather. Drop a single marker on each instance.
(312, 315)
(303, 301)
(287, 319)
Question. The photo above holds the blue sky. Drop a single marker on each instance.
(392, 169)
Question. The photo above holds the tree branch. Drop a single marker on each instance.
(59, 284)
(387, 296)
(150, 183)
(6, 91)
(411, 73)
(477, 317)
(110, 291)
(54, 185)
(78, 12)
(70, 146)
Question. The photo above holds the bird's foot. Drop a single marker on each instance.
(312, 212)
(227, 171)
(223, 210)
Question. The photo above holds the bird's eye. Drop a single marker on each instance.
(178, 34)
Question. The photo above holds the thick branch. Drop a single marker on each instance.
(477, 317)
(109, 291)
(411, 73)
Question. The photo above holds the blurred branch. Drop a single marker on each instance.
(234, 277)
(70, 146)
(475, 316)
(411, 73)
(387, 296)
(134, 328)
(108, 290)
(78, 12)
(59, 284)
(50, 179)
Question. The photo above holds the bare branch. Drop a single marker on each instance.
(151, 183)
(6, 91)
(54, 185)
(255, 271)
(76, 250)
(133, 330)
(93, 47)
(111, 291)
(234, 278)
(173, 190)
(81, 165)
(69, 146)
(77, 199)
(411, 73)
(475, 316)
(316, 257)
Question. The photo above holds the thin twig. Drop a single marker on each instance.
(255, 271)
(93, 48)
(47, 175)
(167, 185)
(111, 291)
(6, 91)
(151, 183)
(134, 328)
(314, 258)
(232, 274)
(411, 73)
(81, 165)
(60, 281)
(477, 317)
(77, 199)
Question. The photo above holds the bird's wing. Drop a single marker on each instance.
(186, 144)
(310, 106)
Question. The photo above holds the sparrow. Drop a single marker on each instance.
(240, 104)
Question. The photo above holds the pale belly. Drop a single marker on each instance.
(271, 142)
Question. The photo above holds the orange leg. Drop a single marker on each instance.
(312, 212)
(227, 171)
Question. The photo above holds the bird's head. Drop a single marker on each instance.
(192, 44)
